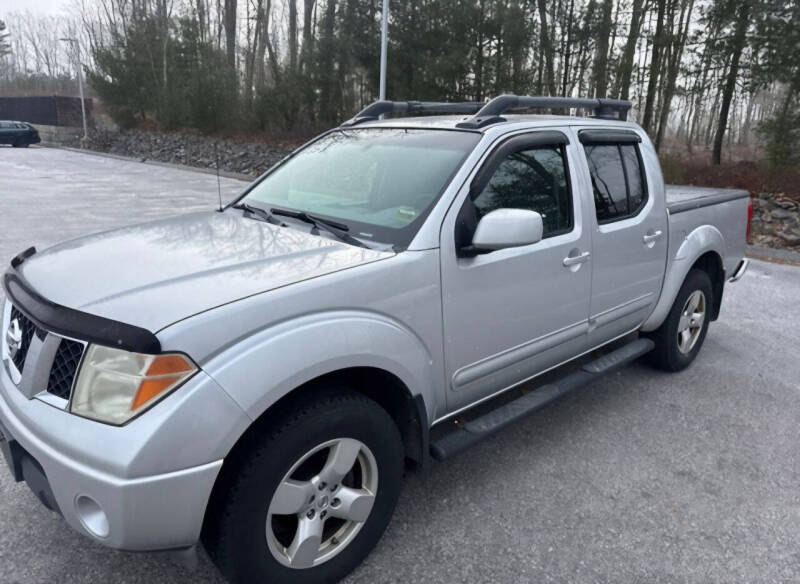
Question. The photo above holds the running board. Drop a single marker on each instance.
(488, 424)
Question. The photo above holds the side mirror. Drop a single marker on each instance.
(504, 228)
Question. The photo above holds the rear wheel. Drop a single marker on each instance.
(679, 338)
(310, 500)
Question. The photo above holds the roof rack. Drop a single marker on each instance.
(484, 114)
(491, 112)
(375, 110)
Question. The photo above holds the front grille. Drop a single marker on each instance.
(65, 366)
(28, 329)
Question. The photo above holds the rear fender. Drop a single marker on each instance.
(267, 366)
(700, 241)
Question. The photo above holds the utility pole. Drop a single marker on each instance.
(76, 47)
(384, 41)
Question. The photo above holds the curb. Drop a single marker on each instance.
(780, 256)
(222, 173)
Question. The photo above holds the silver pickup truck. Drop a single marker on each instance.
(257, 378)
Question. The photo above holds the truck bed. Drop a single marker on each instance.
(724, 211)
(683, 198)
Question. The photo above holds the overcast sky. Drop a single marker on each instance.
(36, 6)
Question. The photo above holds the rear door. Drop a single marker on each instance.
(629, 244)
(512, 313)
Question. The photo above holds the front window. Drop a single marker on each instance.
(534, 179)
(379, 182)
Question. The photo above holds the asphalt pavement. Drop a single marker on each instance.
(642, 477)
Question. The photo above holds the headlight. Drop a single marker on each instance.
(114, 386)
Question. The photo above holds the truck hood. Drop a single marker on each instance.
(154, 274)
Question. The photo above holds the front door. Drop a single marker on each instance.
(512, 313)
(629, 245)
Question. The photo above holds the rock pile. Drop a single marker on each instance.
(776, 221)
(249, 158)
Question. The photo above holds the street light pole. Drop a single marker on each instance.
(76, 46)
(384, 41)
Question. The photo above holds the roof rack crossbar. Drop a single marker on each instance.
(375, 110)
(491, 112)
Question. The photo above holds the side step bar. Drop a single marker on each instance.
(494, 421)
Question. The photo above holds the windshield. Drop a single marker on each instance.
(379, 182)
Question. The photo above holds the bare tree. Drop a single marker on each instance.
(230, 32)
(601, 52)
(737, 47)
(547, 49)
(673, 65)
(655, 67)
(628, 54)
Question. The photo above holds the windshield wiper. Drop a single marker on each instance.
(259, 212)
(338, 230)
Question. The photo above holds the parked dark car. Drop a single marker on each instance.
(18, 134)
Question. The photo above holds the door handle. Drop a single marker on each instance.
(651, 237)
(578, 259)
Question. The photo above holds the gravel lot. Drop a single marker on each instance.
(642, 477)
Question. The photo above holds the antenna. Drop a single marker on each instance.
(219, 188)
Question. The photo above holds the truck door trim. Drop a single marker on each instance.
(629, 307)
(499, 361)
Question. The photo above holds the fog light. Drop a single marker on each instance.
(92, 516)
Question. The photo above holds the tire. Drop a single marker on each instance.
(252, 535)
(675, 351)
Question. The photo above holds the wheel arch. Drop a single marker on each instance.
(383, 387)
(406, 409)
(711, 263)
(703, 249)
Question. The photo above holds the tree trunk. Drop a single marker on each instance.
(252, 53)
(308, 34)
(479, 55)
(230, 33)
(601, 52)
(699, 88)
(568, 47)
(547, 48)
(583, 55)
(262, 18)
(271, 55)
(327, 75)
(739, 38)
(626, 64)
(655, 68)
(292, 40)
(201, 19)
(673, 68)
(643, 60)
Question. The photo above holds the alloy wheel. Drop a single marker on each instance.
(690, 325)
(322, 503)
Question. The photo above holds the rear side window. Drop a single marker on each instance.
(617, 180)
(536, 180)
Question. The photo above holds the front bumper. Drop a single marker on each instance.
(101, 479)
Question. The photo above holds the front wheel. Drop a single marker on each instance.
(310, 500)
(680, 336)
